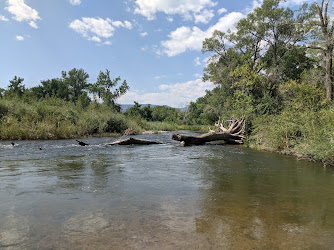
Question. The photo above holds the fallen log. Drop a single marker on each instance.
(133, 141)
(233, 135)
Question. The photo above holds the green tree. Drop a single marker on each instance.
(324, 41)
(146, 113)
(2, 92)
(166, 114)
(134, 111)
(76, 81)
(249, 65)
(16, 87)
(104, 88)
(55, 87)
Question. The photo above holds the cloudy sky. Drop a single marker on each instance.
(153, 44)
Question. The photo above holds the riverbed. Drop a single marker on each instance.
(59, 195)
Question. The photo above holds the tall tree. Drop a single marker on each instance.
(55, 87)
(104, 88)
(267, 39)
(76, 80)
(271, 32)
(327, 28)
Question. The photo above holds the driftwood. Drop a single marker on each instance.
(131, 141)
(233, 135)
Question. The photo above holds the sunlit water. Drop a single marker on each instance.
(161, 196)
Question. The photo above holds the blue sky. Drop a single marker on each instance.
(153, 44)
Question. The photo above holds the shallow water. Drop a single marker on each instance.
(161, 196)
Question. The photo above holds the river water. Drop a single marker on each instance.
(161, 196)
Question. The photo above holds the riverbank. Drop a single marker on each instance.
(306, 134)
(57, 119)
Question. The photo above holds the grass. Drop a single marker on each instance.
(57, 119)
(305, 133)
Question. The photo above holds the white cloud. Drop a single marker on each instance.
(295, 2)
(159, 77)
(96, 26)
(204, 17)
(185, 38)
(19, 38)
(22, 12)
(173, 95)
(33, 25)
(221, 11)
(185, 8)
(170, 19)
(144, 34)
(126, 24)
(97, 29)
(75, 2)
(3, 18)
(197, 61)
(96, 39)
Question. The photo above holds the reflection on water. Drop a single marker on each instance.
(161, 196)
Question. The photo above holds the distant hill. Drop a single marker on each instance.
(124, 107)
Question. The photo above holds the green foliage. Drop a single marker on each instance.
(306, 132)
(75, 83)
(272, 79)
(16, 87)
(157, 113)
(83, 100)
(303, 96)
(104, 88)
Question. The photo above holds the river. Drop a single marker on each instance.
(161, 196)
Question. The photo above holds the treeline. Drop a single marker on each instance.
(72, 87)
(69, 107)
(276, 68)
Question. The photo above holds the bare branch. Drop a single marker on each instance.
(315, 47)
(322, 22)
(326, 17)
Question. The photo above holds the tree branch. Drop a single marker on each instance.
(315, 47)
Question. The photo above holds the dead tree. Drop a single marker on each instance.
(133, 141)
(327, 30)
(234, 134)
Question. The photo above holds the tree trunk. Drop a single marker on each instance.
(233, 135)
(327, 31)
(329, 77)
(132, 141)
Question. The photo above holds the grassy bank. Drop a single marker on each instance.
(57, 119)
(306, 133)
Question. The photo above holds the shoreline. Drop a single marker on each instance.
(299, 155)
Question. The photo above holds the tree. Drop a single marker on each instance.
(55, 87)
(146, 112)
(104, 88)
(2, 92)
(327, 47)
(134, 111)
(248, 65)
(76, 81)
(16, 87)
(271, 32)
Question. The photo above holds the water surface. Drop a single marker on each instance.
(161, 196)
